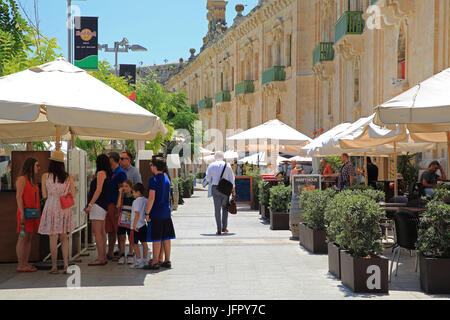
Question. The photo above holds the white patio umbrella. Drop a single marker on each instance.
(313, 149)
(256, 158)
(61, 96)
(273, 130)
(364, 136)
(230, 155)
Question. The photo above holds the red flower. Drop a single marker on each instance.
(315, 132)
(321, 130)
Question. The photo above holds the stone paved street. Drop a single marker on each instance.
(251, 262)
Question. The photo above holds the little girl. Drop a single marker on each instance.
(139, 225)
(124, 204)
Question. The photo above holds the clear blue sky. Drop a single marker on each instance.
(167, 28)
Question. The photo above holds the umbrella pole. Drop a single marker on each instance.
(58, 137)
(72, 140)
(395, 170)
(448, 153)
(366, 176)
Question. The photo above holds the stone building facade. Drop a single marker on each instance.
(312, 63)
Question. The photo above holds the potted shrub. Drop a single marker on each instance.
(263, 197)
(333, 209)
(279, 204)
(256, 178)
(433, 244)
(359, 235)
(312, 232)
(191, 178)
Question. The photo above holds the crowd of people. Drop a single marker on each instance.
(118, 206)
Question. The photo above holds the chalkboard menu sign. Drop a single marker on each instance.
(305, 182)
(244, 190)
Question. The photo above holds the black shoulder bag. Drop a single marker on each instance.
(225, 186)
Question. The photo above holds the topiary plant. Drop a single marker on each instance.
(376, 195)
(434, 229)
(355, 224)
(313, 204)
(280, 199)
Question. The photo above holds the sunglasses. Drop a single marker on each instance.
(124, 158)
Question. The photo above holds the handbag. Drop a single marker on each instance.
(124, 218)
(32, 213)
(225, 186)
(67, 200)
(232, 206)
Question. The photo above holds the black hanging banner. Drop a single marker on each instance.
(86, 43)
(129, 72)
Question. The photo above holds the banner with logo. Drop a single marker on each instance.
(86, 43)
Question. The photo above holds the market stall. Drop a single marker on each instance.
(58, 101)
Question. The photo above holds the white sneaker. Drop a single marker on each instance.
(130, 259)
(138, 265)
(121, 260)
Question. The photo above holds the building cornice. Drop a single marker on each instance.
(257, 17)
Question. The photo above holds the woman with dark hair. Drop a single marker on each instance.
(98, 205)
(27, 196)
(56, 222)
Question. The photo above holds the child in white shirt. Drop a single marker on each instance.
(139, 225)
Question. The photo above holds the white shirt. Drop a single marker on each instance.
(139, 204)
(215, 170)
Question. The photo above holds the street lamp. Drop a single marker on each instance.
(69, 29)
(116, 49)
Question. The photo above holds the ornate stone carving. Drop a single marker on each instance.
(223, 107)
(349, 46)
(325, 70)
(246, 101)
(274, 89)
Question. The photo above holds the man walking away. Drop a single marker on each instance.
(216, 171)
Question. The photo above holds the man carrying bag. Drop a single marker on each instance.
(220, 175)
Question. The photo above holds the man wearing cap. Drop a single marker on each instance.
(132, 173)
(213, 176)
(112, 217)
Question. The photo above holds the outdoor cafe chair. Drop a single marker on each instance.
(406, 226)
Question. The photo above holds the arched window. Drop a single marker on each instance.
(401, 53)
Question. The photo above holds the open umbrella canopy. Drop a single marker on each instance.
(425, 107)
(364, 136)
(230, 155)
(58, 93)
(313, 148)
(273, 130)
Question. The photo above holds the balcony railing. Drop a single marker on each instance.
(372, 2)
(222, 96)
(244, 87)
(276, 73)
(323, 52)
(351, 22)
(205, 104)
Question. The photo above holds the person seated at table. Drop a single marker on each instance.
(327, 170)
(429, 178)
(372, 176)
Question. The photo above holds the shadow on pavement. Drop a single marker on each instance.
(218, 235)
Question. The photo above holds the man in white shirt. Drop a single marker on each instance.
(213, 176)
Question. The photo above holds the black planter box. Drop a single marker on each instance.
(279, 221)
(186, 193)
(357, 273)
(261, 210)
(434, 274)
(266, 213)
(312, 240)
(334, 259)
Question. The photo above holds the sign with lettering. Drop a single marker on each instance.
(86, 43)
(304, 182)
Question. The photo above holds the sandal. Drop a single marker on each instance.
(97, 263)
(24, 270)
(54, 271)
(166, 264)
(152, 266)
(30, 268)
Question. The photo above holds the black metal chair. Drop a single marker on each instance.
(388, 223)
(406, 226)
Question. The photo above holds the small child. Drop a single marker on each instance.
(139, 225)
(124, 204)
